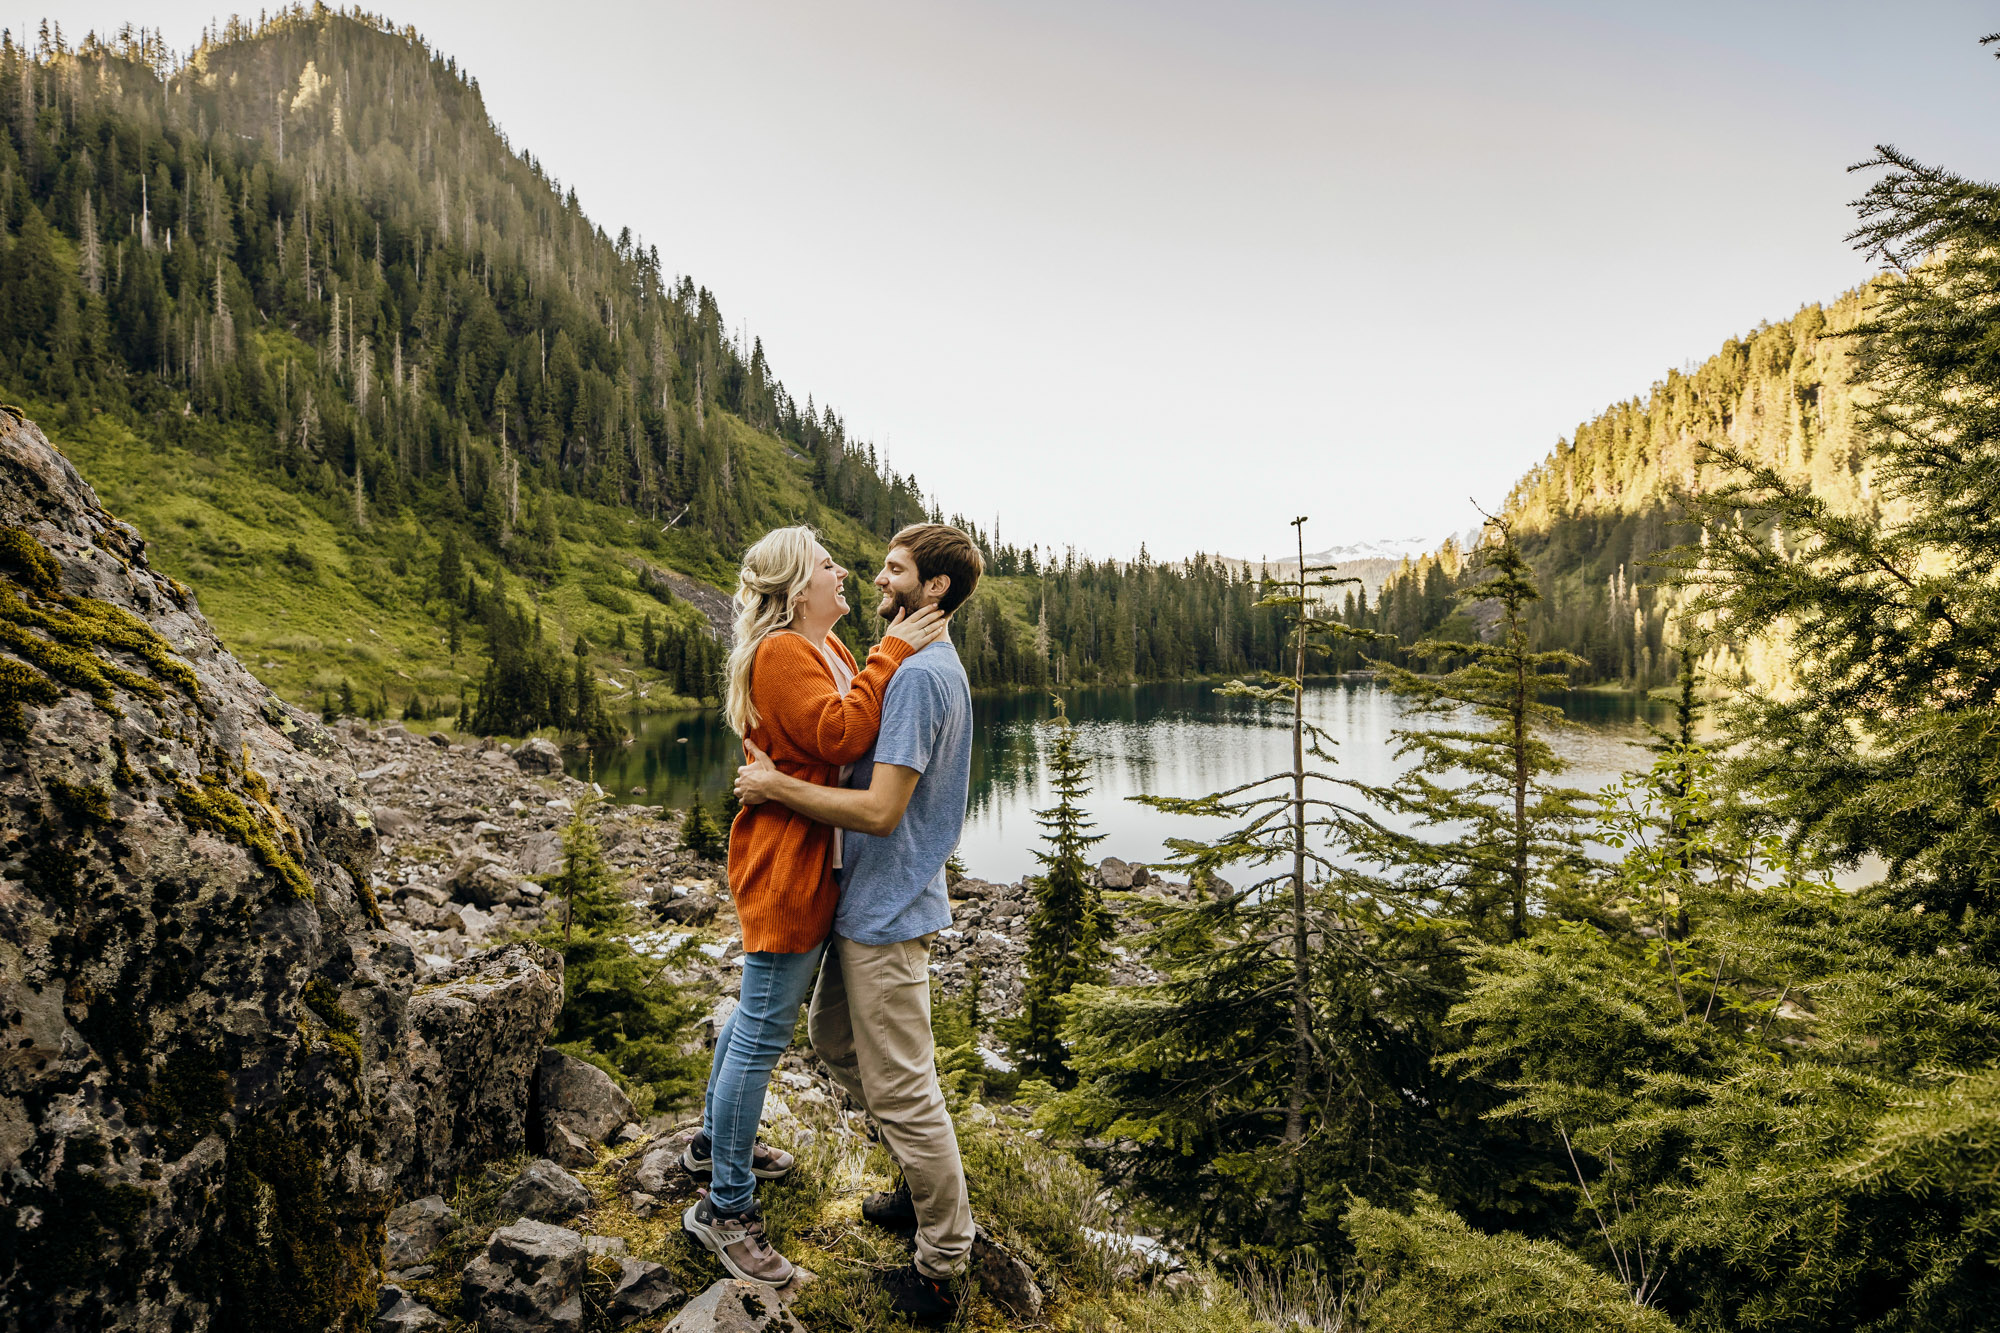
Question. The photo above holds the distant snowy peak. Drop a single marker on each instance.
(1385, 548)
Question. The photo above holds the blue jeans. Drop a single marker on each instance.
(767, 1012)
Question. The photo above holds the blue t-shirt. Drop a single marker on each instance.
(892, 887)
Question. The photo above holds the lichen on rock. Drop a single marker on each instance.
(207, 1104)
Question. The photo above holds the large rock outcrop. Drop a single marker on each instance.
(210, 1073)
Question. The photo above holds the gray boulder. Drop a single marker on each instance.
(396, 1311)
(691, 910)
(578, 1104)
(528, 1280)
(735, 1306)
(415, 1229)
(477, 1032)
(545, 1191)
(195, 989)
(484, 879)
(539, 758)
(1113, 873)
(643, 1290)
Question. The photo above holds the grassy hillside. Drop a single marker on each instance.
(307, 600)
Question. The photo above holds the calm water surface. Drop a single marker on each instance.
(1172, 739)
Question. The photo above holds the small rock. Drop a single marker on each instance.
(642, 1203)
(397, 1312)
(643, 1290)
(688, 911)
(545, 1191)
(630, 1132)
(484, 879)
(439, 739)
(1005, 1278)
(499, 759)
(529, 1280)
(655, 1170)
(735, 1306)
(393, 821)
(1114, 873)
(594, 1246)
(568, 1148)
(576, 1095)
(539, 757)
(417, 1228)
(417, 1274)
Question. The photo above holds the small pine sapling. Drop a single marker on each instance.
(1069, 925)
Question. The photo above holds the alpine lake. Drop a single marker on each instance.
(1173, 739)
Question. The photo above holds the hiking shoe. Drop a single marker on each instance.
(738, 1240)
(766, 1162)
(893, 1210)
(918, 1296)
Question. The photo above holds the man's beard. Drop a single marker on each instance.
(893, 602)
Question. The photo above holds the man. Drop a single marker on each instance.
(904, 808)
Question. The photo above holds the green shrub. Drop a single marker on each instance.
(1431, 1273)
(608, 597)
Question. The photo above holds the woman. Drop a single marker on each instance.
(793, 690)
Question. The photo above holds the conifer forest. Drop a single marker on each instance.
(418, 458)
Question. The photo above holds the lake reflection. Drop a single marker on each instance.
(1170, 739)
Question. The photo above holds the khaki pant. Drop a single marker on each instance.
(871, 1023)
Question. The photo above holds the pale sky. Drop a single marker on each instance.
(1174, 273)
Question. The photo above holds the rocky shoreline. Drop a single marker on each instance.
(466, 825)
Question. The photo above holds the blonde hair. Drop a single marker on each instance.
(776, 573)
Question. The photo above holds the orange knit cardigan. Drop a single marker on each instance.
(780, 862)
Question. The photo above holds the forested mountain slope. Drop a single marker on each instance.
(1596, 513)
(381, 392)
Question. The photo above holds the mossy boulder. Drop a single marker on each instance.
(209, 1041)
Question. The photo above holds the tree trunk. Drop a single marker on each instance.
(1519, 926)
(1301, 973)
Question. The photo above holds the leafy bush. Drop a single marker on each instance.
(605, 595)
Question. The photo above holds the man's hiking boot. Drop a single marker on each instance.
(893, 1210)
(766, 1162)
(919, 1297)
(738, 1240)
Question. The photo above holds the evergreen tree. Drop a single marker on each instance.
(1069, 925)
(1796, 1104)
(1514, 837)
(619, 1012)
(1251, 1084)
(699, 833)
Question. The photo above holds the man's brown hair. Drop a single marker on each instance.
(939, 548)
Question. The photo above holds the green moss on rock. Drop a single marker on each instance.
(21, 684)
(343, 1030)
(210, 805)
(72, 632)
(84, 803)
(290, 1255)
(29, 561)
